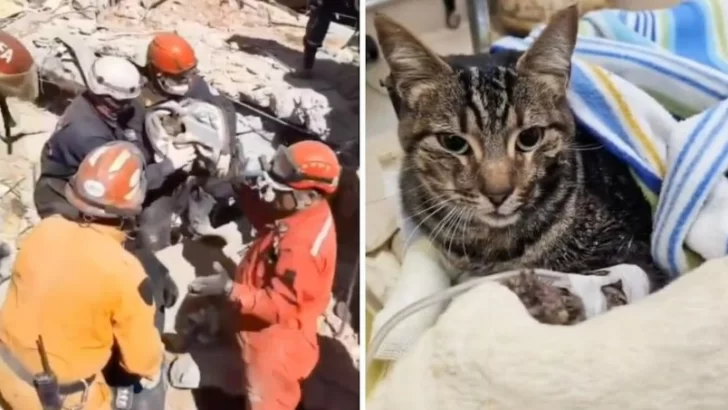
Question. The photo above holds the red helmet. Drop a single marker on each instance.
(18, 74)
(170, 54)
(306, 165)
(110, 182)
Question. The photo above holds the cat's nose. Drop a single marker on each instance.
(498, 197)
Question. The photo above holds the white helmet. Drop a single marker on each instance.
(116, 77)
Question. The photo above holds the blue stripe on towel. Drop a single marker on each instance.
(585, 87)
(660, 69)
(669, 236)
(700, 192)
(690, 26)
(667, 187)
(648, 58)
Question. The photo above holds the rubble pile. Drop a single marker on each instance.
(248, 54)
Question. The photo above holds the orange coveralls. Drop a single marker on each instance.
(75, 285)
(282, 286)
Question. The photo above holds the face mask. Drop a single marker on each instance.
(177, 85)
(109, 108)
(264, 186)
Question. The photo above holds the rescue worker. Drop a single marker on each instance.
(321, 14)
(283, 284)
(58, 263)
(110, 110)
(171, 71)
(172, 74)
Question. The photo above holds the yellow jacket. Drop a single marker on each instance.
(77, 286)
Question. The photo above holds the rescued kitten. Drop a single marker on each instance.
(497, 173)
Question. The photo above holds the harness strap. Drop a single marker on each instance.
(22, 373)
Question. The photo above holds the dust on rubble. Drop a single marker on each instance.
(247, 53)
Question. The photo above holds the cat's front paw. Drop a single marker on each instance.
(614, 293)
(546, 303)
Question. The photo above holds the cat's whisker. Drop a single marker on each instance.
(411, 235)
(440, 227)
(452, 230)
(465, 224)
(421, 210)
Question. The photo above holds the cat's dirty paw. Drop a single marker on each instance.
(615, 295)
(545, 302)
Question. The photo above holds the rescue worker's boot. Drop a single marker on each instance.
(319, 20)
(309, 58)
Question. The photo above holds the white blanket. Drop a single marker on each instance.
(666, 352)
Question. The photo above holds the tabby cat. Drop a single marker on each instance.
(498, 174)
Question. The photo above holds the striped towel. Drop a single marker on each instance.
(633, 74)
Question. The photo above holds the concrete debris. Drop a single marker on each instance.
(301, 107)
(239, 53)
(17, 215)
(18, 172)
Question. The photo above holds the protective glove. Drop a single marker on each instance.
(218, 284)
(181, 157)
(170, 292)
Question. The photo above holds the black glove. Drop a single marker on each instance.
(170, 292)
(218, 284)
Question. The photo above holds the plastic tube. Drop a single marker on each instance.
(439, 297)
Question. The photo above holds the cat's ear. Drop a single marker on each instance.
(550, 55)
(415, 68)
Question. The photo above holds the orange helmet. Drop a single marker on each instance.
(110, 182)
(306, 165)
(171, 54)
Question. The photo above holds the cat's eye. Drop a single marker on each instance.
(529, 138)
(453, 143)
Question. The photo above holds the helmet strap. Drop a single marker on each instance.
(127, 225)
(304, 199)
